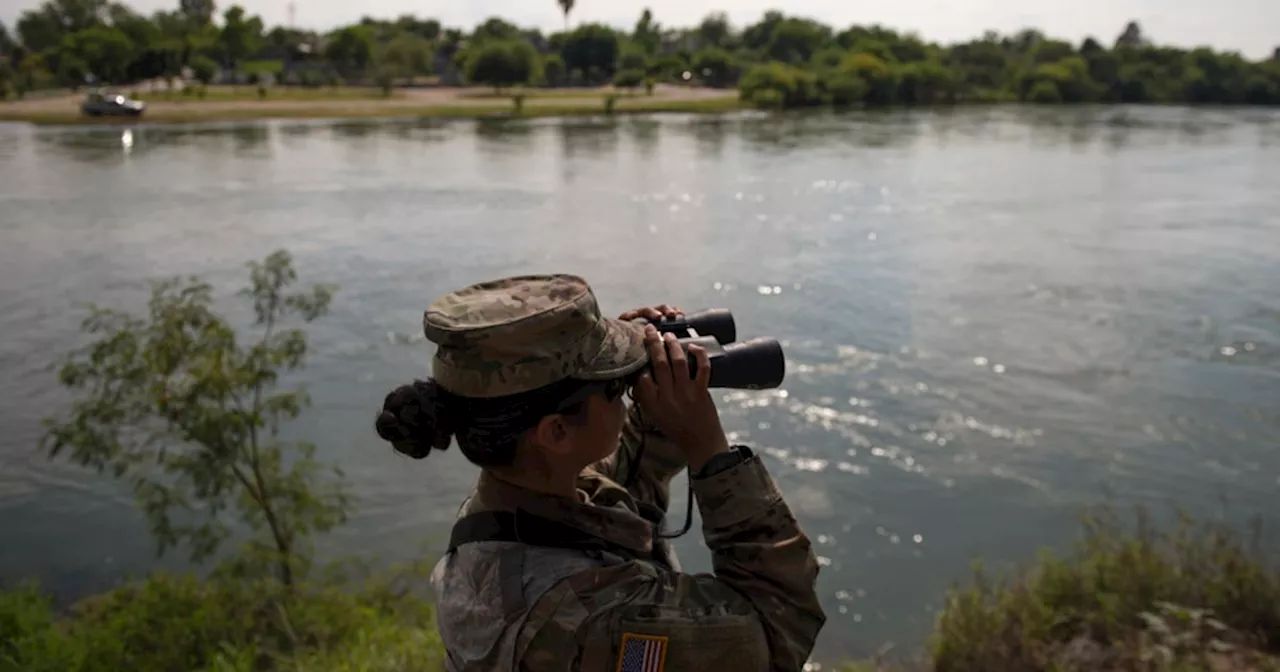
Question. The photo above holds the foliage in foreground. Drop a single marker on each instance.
(1197, 597)
(176, 403)
(1194, 598)
(178, 622)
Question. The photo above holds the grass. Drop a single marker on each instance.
(262, 67)
(248, 92)
(592, 93)
(178, 622)
(1128, 598)
(499, 109)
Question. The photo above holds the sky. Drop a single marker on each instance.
(1249, 26)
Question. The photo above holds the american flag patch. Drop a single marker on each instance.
(642, 653)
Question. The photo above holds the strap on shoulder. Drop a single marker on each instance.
(526, 528)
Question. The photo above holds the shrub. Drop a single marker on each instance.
(179, 622)
(844, 89)
(629, 79)
(1045, 92)
(780, 85)
(500, 63)
(1122, 599)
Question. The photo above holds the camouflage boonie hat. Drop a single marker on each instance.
(520, 333)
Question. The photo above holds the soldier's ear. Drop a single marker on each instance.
(552, 435)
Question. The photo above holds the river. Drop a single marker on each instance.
(992, 317)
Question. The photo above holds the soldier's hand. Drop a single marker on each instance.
(679, 405)
(652, 313)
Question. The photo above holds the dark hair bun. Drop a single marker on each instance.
(413, 421)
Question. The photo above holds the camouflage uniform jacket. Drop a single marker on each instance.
(506, 606)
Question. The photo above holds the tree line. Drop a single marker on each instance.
(777, 61)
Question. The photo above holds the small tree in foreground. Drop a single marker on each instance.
(176, 404)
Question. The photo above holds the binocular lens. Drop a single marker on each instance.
(757, 364)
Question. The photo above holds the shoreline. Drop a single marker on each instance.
(455, 103)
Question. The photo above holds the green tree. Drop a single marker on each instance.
(45, 27)
(6, 79)
(758, 35)
(1132, 36)
(881, 80)
(1051, 51)
(202, 40)
(926, 83)
(174, 403)
(385, 76)
(981, 64)
(628, 79)
(351, 49)
(155, 53)
(428, 29)
(495, 28)
(407, 55)
(827, 58)
(204, 69)
(592, 46)
(198, 13)
(874, 46)
(715, 30)
(1104, 70)
(32, 74)
(553, 71)
(909, 49)
(843, 89)
(71, 70)
(1069, 78)
(633, 58)
(1044, 91)
(795, 41)
(502, 63)
(241, 35)
(106, 52)
(716, 67)
(780, 85)
(647, 36)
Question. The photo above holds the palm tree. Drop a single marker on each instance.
(566, 6)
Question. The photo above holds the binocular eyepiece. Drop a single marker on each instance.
(757, 364)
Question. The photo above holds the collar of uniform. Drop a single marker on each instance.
(603, 515)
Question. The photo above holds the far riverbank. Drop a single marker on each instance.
(244, 103)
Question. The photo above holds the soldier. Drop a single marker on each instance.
(555, 562)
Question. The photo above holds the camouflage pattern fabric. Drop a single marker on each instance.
(507, 606)
(517, 334)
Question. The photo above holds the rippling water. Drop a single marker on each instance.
(992, 317)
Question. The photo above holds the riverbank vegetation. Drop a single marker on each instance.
(184, 407)
(777, 61)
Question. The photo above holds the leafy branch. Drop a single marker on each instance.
(175, 404)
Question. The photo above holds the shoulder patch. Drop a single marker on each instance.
(642, 653)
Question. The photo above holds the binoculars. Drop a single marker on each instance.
(757, 364)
